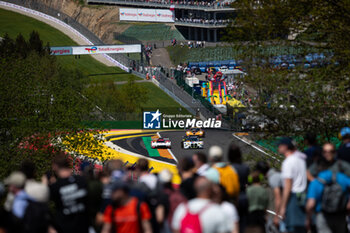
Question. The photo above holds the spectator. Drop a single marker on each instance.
(328, 161)
(152, 193)
(228, 176)
(313, 150)
(112, 171)
(5, 222)
(31, 185)
(188, 176)
(142, 171)
(37, 215)
(258, 199)
(294, 186)
(235, 158)
(95, 190)
(210, 215)
(69, 194)
(230, 211)
(274, 180)
(200, 163)
(175, 197)
(36, 218)
(16, 182)
(344, 149)
(126, 214)
(328, 222)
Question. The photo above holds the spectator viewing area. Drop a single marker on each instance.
(202, 21)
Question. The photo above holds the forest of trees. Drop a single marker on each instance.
(296, 101)
(43, 104)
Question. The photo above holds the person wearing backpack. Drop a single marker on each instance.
(200, 215)
(126, 214)
(228, 176)
(327, 196)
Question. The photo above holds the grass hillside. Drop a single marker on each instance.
(151, 32)
(13, 24)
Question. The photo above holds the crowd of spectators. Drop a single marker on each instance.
(203, 21)
(209, 3)
(215, 195)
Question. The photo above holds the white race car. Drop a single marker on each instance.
(161, 143)
(192, 142)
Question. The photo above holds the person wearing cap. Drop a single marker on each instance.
(228, 176)
(344, 149)
(294, 178)
(15, 183)
(126, 214)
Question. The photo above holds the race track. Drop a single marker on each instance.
(212, 137)
(136, 143)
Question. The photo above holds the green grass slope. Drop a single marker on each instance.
(14, 23)
(151, 32)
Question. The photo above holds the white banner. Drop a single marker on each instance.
(165, 16)
(146, 15)
(98, 49)
(128, 14)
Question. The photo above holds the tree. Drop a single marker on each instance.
(120, 102)
(267, 19)
(295, 101)
(40, 105)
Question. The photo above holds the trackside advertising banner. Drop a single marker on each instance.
(61, 50)
(146, 15)
(96, 49)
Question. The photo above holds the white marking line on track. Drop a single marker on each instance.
(255, 147)
(171, 153)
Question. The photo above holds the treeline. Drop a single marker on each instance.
(43, 104)
(295, 101)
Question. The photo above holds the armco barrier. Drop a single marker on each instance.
(191, 110)
(61, 23)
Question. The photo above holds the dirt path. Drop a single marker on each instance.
(73, 36)
(161, 57)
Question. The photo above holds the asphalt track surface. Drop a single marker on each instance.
(222, 138)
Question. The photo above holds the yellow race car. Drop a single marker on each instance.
(195, 132)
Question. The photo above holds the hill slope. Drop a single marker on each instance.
(14, 24)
